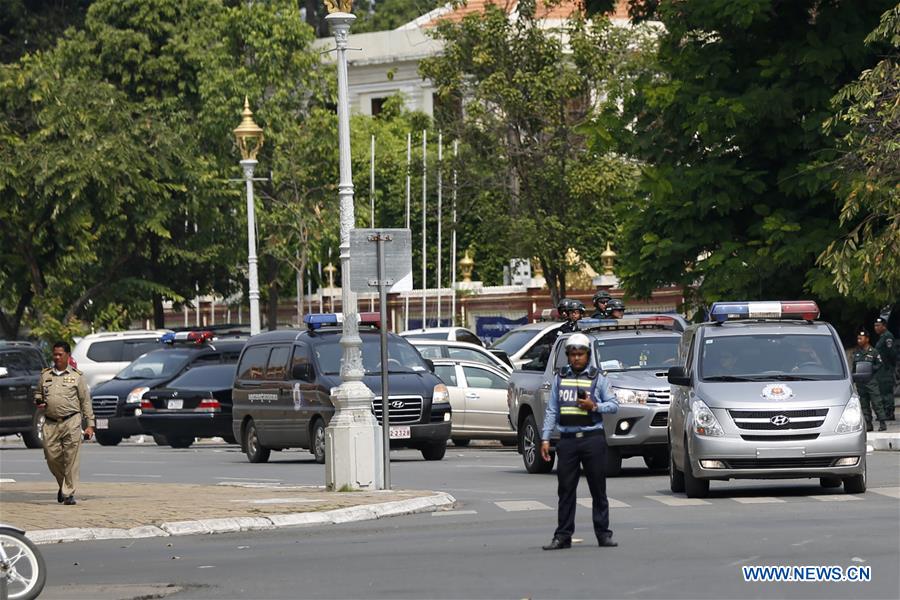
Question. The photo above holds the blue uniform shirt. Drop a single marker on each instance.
(602, 397)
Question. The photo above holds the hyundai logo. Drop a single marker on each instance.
(398, 404)
(780, 420)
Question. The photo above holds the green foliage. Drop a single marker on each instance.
(384, 15)
(728, 134)
(865, 263)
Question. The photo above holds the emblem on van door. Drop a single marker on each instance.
(780, 420)
(777, 391)
(398, 404)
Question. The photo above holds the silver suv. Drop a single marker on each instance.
(764, 392)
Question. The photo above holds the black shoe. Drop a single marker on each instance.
(607, 542)
(869, 427)
(882, 426)
(890, 418)
(70, 500)
(558, 544)
(59, 496)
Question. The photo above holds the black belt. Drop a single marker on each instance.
(581, 434)
(66, 418)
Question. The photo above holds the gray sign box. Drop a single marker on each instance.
(364, 261)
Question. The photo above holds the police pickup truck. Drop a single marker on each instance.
(635, 355)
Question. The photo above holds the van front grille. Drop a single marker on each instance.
(779, 420)
(658, 397)
(660, 419)
(814, 462)
(403, 409)
(104, 406)
(780, 438)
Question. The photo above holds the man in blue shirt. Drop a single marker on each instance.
(578, 398)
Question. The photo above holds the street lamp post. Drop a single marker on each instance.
(353, 437)
(249, 138)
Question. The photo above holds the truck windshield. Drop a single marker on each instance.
(402, 357)
(771, 357)
(515, 340)
(637, 353)
(159, 363)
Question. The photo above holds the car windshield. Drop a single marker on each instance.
(771, 357)
(402, 357)
(213, 377)
(515, 340)
(159, 363)
(428, 335)
(639, 352)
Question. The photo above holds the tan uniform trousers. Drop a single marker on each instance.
(62, 444)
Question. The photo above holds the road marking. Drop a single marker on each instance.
(676, 501)
(743, 561)
(246, 479)
(890, 492)
(125, 475)
(7, 480)
(453, 513)
(835, 498)
(613, 503)
(520, 505)
(758, 500)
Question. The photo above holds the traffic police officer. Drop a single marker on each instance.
(64, 397)
(888, 352)
(615, 308)
(868, 392)
(579, 396)
(572, 311)
(601, 297)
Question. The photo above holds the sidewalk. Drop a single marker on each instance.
(136, 510)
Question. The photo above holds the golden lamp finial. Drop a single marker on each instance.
(248, 134)
(334, 6)
(608, 259)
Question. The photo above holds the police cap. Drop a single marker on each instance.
(881, 321)
(863, 333)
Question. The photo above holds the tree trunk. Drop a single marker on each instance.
(272, 288)
(159, 317)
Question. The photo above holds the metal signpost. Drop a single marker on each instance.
(396, 278)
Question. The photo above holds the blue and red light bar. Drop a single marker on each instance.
(187, 337)
(734, 311)
(317, 321)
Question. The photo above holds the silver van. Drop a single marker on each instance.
(764, 391)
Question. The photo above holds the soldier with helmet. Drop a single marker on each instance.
(869, 395)
(579, 396)
(615, 309)
(571, 310)
(600, 300)
(887, 350)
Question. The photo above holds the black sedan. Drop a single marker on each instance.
(196, 404)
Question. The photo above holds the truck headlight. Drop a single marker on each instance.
(624, 396)
(705, 422)
(440, 395)
(134, 397)
(852, 418)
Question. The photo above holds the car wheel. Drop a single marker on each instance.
(160, 439)
(434, 451)
(693, 487)
(856, 484)
(256, 452)
(830, 482)
(108, 439)
(181, 442)
(676, 477)
(461, 442)
(613, 462)
(657, 460)
(318, 441)
(35, 437)
(530, 442)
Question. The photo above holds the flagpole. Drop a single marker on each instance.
(408, 161)
(453, 239)
(372, 204)
(424, 227)
(440, 182)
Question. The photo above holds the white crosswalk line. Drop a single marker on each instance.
(758, 500)
(521, 505)
(835, 498)
(890, 492)
(613, 503)
(453, 513)
(676, 501)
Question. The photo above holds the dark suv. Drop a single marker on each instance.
(20, 370)
(282, 392)
(115, 401)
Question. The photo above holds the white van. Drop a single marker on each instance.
(101, 355)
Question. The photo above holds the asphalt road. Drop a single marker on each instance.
(489, 546)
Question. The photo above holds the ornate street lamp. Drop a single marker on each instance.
(249, 137)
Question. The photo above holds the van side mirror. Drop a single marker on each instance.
(429, 363)
(502, 355)
(678, 376)
(4, 372)
(863, 373)
(302, 371)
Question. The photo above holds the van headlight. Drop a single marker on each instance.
(134, 397)
(852, 418)
(440, 395)
(705, 422)
(624, 396)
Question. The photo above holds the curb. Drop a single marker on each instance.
(234, 524)
(884, 441)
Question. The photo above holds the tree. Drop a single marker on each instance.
(728, 134)
(865, 263)
(531, 167)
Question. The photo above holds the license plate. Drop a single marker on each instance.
(102, 423)
(400, 433)
(175, 404)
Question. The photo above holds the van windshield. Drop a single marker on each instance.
(771, 357)
(402, 357)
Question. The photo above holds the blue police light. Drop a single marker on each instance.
(729, 311)
(315, 321)
(167, 338)
(586, 323)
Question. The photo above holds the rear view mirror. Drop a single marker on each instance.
(678, 376)
(302, 371)
(863, 372)
(502, 355)
(429, 363)
(4, 372)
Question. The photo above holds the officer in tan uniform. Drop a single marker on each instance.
(64, 397)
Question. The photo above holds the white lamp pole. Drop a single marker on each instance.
(249, 137)
(353, 437)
